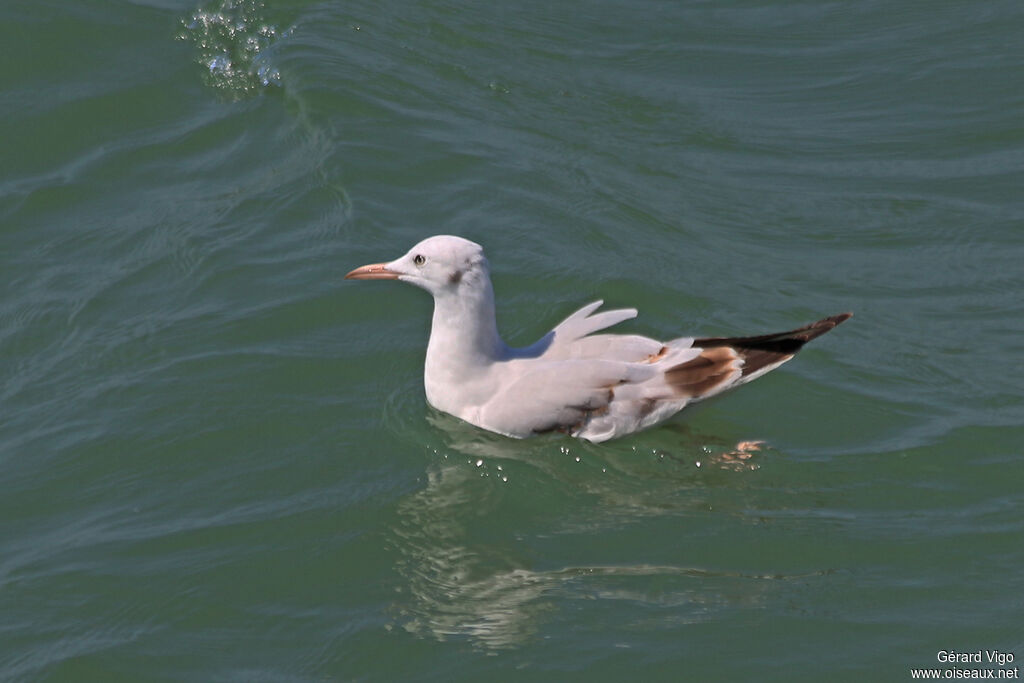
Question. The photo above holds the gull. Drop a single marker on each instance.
(590, 386)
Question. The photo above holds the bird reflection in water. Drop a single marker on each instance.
(469, 576)
(458, 585)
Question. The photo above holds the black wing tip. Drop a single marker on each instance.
(841, 318)
(822, 326)
(801, 335)
(704, 374)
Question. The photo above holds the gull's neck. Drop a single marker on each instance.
(464, 343)
(464, 332)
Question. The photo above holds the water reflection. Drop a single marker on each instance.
(459, 586)
(468, 555)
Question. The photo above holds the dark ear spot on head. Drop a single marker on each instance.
(455, 277)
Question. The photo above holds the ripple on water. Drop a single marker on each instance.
(487, 547)
(233, 41)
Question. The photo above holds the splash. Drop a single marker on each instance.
(232, 39)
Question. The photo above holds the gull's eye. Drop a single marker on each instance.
(419, 259)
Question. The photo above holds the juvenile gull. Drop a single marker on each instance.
(592, 386)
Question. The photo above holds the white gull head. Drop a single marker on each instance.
(443, 265)
(464, 343)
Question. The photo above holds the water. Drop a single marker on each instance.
(215, 459)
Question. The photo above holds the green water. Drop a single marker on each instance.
(216, 462)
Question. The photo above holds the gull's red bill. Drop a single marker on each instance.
(373, 271)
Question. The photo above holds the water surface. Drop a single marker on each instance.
(216, 462)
